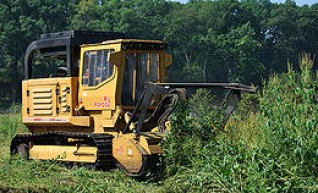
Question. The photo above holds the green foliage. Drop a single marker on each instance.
(272, 149)
(206, 120)
(21, 23)
(194, 180)
(193, 124)
(239, 49)
(88, 16)
(211, 41)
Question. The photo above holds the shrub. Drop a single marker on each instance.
(272, 148)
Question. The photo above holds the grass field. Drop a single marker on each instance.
(19, 175)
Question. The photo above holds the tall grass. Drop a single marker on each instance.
(271, 148)
(39, 176)
(18, 175)
(10, 124)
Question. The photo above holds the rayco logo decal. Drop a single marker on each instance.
(105, 103)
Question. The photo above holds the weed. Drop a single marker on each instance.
(271, 148)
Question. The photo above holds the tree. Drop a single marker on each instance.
(21, 22)
(239, 52)
(88, 16)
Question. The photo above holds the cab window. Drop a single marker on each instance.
(45, 66)
(96, 67)
(140, 68)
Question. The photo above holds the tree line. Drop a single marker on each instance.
(211, 41)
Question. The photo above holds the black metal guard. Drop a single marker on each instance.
(149, 90)
(164, 88)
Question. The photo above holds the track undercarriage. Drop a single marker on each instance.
(94, 151)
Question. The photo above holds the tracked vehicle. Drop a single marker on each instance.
(100, 99)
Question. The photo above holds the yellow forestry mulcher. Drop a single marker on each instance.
(101, 100)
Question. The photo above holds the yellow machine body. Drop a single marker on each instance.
(92, 104)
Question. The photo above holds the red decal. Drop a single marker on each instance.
(45, 119)
(105, 103)
(120, 150)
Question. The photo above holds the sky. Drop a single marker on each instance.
(298, 2)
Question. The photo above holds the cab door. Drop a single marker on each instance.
(140, 67)
(98, 79)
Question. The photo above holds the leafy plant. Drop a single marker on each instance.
(271, 148)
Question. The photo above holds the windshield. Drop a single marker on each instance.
(96, 67)
(140, 68)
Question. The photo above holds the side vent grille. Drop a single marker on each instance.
(65, 107)
(42, 101)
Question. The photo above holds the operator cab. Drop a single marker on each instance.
(119, 68)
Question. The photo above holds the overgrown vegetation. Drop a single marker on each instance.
(269, 145)
(273, 149)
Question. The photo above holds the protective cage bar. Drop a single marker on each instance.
(68, 42)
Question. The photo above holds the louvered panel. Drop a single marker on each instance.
(42, 95)
(42, 90)
(42, 101)
(42, 107)
(42, 112)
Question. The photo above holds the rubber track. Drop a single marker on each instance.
(103, 142)
(105, 159)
